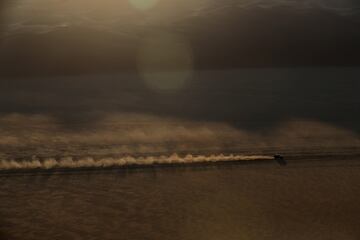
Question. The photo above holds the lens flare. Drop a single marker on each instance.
(165, 61)
(143, 4)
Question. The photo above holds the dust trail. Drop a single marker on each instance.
(90, 162)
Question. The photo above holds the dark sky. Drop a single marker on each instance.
(253, 63)
(62, 37)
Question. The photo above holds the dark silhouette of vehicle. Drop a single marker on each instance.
(280, 159)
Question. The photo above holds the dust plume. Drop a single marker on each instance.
(120, 134)
(90, 162)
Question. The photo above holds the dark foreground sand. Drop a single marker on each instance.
(317, 199)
